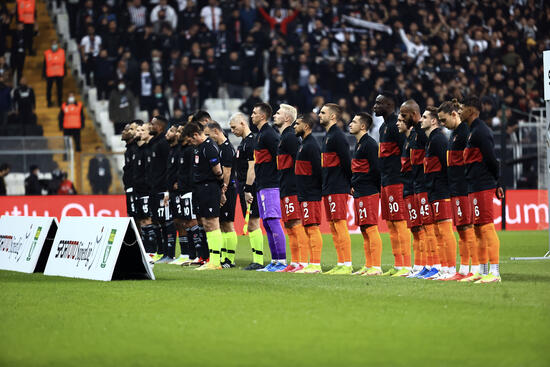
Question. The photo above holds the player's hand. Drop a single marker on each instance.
(223, 200)
(165, 200)
(248, 197)
(500, 193)
(176, 186)
(352, 191)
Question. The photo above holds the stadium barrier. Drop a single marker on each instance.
(99, 248)
(526, 209)
(25, 242)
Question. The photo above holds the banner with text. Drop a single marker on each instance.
(25, 242)
(100, 248)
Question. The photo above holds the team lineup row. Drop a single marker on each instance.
(186, 181)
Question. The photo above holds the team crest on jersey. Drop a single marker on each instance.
(475, 201)
(154, 154)
(139, 162)
(263, 197)
(305, 205)
(133, 156)
(286, 200)
(358, 146)
(237, 155)
(172, 161)
(458, 203)
(196, 159)
(360, 204)
(409, 206)
(329, 198)
(148, 159)
(391, 198)
(423, 201)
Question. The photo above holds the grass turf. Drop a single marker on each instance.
(238, 318)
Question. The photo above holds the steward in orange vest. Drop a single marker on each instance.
(71, 119)
(26, 14)
(54, 71)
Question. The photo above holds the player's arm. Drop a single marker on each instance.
(342, 149)
(314, 156)
(486, 145)
(227, 165)
(398, 137)
(372, 156)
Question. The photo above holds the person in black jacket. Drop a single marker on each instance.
(99, 173)
(32, 183)
(129, 136)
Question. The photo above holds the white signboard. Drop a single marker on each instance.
(546, 63)
(100, 248)
(25, 240)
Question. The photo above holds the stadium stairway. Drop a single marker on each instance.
(48, 117)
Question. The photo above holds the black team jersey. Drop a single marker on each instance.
(482, 166)
(458, 185)
(389, 152)
(406, 167)
(172, 166)
(435, 166)
(159, 160)
(129, 165)
(207, 155)
(336, 162)
(245, 154)
(265, 153)
(418, 149)
(309, 176)
(286, 155)
(365, 178)
(140, 173)
(185, 169)
(227, 157)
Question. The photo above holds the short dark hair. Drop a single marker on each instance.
(214, 125)
(138, 122)
(265, 108)
(389, 95)
(161, 119)
(33, 167)
(201, 115)
(308, 120)
(4, 166)
(472, 101)
(433, 112)
(449, 106)
(192, 128)
(365, 118)
(336, 109)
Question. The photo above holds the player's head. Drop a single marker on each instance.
(410, 111)
(304, 125)
(361, 122)
(402, 124)
(429, 120)
(171, 134)
(330, 114)
(286, 114)
(158, 125)
(471, 107)
(126, 134)
(195, 132)
(202, 117)
(214, 131)
(449, 114)
(239, 124)
(261, 113)
(384, 105)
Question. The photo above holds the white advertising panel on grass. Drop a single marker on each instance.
(100, 248)
(25, 242)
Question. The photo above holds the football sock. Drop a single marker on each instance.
(337, 244)
(149, 238)
(463, 269)
(160, 241)
(171, 233)
(204, 243)
(475, 269)
(404, 236)
(395, 244)
(423, 247)
(441, 248)
(446, 230)
(270, 242)
(489, 234)
(344, 238)
(230, 240)
(303, 243)
(215, 243)
(463, 248)
(417, 247)
(472, 245)
(366, 247)
(495, 270)
(196, 241)
(191, 243)
(279, 239)
(482, 246)
(315, 243)
(293, 245)
(184, 243)
(256, 239)
(431, 245)
(375, 244)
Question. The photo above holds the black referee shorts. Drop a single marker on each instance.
(207, 197)
(227, 211)
(254, 211)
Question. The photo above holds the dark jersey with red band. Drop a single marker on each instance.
(458, 185)
(418, 151)
(365, 178)
(406, 166)
(336, 162)
(482, 167)
(286, 154)
(309, 178)
(389, 152)
(265, 153)
(435, 166)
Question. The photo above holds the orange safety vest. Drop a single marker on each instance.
(71, 117)
(55, 62)
(25, 11)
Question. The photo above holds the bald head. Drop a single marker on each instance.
(410, 112)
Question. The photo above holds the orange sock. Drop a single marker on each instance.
(482, 246)
(375, 243)
(303, 243)
(416, 247)
(315, 243)
(446, 230)
(464, 247)
(431, 245)
(404, 241)
(395, 244)
(489, 234)
(366, 247)
(440, 243)
(344, 239)
(422, 248)
(293, 245)
(337, 244)
(471, 240)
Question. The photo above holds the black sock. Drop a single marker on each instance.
(159, 244)
(197, 243)
(205, 252)
(149, 238)
(191, 250)
(184, 244)
(170, 229)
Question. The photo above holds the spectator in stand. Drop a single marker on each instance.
(247, 106)
(32, 183)
(211, 15)
(54, 71)
(146, 83)
(179, 117)
(5, 169)
(90, 45)
(26, 14)
(71, 119)
(234, 76)
(310, 91)
(99, 173)
(184, 102)
(138, 14)
(72, 11)
(169, 15)
(184, 74)
(24, 103)
(5, 101)
(122, 106)
(66, 187)
(278, 21)
(103, 75)
(159, 103)
(18, 49)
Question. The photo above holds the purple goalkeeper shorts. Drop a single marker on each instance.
(269, 203)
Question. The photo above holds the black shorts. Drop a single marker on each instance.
(142, 206)
(254, 212)
(131, 204)
(159, 212)
(227, 211)
(181, 206)
(207, 197)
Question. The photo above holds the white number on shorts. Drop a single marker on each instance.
(394, 208)
(332, 207)
(412, 214)
(459, 211)
(426, 209)
(363, 213)
(306, 213)
(436, 204)
(476, 210)
(160, 212)
(289, 207)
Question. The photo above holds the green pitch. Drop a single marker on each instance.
(238, 318)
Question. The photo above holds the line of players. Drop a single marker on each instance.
(422, 180)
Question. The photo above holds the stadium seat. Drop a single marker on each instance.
(213, 104)
(221, 117)
(232, 104)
